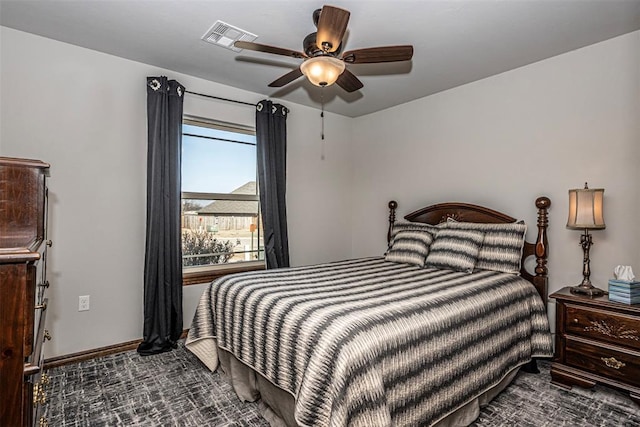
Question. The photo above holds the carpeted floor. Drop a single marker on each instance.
(175, 389)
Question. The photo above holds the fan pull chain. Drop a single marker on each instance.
(322, 117)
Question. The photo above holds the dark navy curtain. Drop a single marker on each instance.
(163, 251)
(271, 137)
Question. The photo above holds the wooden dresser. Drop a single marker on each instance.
(597, 341)
(23, 285)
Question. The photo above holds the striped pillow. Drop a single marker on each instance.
(410, 247)
(414, 226)
(502, 246)
(455, 250)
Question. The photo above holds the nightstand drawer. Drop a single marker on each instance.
(603, 325)
(605, 361)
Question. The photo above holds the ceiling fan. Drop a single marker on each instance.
(323, 62)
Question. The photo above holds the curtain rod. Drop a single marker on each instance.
(221, 99)
(224, 99)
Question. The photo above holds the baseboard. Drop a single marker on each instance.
(81, 356)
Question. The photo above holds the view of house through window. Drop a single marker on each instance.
(221, 223)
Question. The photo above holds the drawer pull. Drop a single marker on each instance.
(47, 335)
(613, 363)
(39, 395)
(36, 393)
(576, 321)
(49, 243)
(42, 306)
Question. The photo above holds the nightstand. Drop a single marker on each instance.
(597, 341)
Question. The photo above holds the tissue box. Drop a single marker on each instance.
(626, 292)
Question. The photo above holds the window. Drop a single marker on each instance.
(221, 225)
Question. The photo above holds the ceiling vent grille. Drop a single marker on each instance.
(225, 35)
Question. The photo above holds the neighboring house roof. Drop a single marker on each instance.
(248, 188)
(233, 207)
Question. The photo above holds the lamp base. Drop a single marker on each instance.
(587, 290)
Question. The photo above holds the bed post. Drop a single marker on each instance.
(541, 279)
(392, 218)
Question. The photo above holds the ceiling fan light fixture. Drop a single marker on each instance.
(322, 70)
(324, 64)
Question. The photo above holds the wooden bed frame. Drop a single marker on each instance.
(464, 212)
(280, 403)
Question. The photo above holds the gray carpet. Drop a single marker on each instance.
(175, 389)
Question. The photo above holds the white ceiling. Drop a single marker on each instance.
(455, 41)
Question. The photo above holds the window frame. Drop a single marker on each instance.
(207, 273)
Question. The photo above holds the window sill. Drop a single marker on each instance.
(197, 276)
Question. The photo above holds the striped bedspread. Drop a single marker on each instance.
(368, 342)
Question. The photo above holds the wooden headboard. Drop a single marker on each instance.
(465, 212)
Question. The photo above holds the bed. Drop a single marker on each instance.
(386, 340)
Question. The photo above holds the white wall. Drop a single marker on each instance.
(505, 140)
(84, 112)
(499, 142)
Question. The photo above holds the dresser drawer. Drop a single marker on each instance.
(41, 280)
(36, 381)
(623, 366)
(602, 325)
(35, 362)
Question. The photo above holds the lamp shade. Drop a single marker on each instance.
(585, 208)
(322, 70)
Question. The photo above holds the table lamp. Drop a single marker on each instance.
(585, 213)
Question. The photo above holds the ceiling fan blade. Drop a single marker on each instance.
(331, 28)
(378, 54)
(269, 49)
(349, 82)
(287, 78)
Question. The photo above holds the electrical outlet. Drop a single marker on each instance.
(83, 303)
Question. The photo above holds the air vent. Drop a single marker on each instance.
(223, 34)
